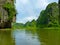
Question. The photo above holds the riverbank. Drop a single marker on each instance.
(31, 28)
(7, 29)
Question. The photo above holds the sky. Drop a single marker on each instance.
(27, 10)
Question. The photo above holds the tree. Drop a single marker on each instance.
(42, 19)
(59, 10)
(49, 16)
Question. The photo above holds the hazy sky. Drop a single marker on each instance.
(30, 9)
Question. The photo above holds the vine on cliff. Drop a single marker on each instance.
(10, 9)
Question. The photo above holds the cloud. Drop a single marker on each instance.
(30, 9)
(41, 4)
(22, 1)
(24, 20)
(30, 18)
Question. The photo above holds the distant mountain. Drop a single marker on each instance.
(18, 25)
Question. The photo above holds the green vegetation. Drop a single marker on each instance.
(18, 25)
(7, 13)
(10, 8)
(30, 25)
(59, 10)
(48, 18)
(27, 25)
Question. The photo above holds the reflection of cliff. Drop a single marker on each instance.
(5, 38)
(49, 37)
(7, 13)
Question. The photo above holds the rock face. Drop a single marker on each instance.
(50, 16)
(7, 14)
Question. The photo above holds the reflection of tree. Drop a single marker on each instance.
(31, 32)
(5, 38)
(49, 37)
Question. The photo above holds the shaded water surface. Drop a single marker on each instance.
(6, 38)
(30, 37)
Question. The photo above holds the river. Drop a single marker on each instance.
(30, 37)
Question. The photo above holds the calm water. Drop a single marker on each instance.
(30, 37)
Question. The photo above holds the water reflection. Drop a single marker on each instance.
(37, 37)
(49, 37)
(6, 38)
(30, 37)
(25, 37)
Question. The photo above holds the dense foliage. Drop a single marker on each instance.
(27, 25)
(42, 19)
(10, 8)
(59, 10)
(31, 24)
(7, 13)
(47, 18)
(18, 25)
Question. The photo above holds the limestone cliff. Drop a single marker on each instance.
(7, 13)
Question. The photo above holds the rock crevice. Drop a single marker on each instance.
(7, 13)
